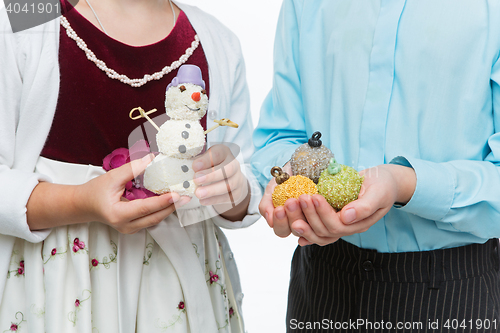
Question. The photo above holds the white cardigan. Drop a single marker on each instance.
(29, 87)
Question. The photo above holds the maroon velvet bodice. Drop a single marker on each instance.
(92, 114)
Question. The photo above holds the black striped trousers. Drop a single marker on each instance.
(342, 288)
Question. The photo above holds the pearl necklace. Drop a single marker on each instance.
(123, 78)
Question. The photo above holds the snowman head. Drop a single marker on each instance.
(186, 98)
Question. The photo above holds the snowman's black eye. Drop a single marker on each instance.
(182, 88)
(204, 92)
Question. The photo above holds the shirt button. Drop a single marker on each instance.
(212, 114)
(367, 266)
(240, 297)
(230, 255)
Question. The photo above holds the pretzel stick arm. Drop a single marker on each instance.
(211, 129)
(143, 115)
(152, 122)
(222, 122)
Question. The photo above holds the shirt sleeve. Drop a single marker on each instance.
(281, 126)
(464, 195)
(17, 184)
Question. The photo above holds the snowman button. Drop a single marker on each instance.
(182, 149)
(186, 184)
(188, 126)
(185, 134)
(185, 168)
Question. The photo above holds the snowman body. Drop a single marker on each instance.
(170, 174)
(180, 139)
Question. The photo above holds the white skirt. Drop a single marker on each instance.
(90, 278)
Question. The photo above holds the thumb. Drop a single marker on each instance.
(133, 169)
(367, 203)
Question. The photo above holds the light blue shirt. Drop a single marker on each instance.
(411, 82)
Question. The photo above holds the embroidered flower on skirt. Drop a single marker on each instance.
(14, 327)
(20, 270)
(78, 245)
(213, 277)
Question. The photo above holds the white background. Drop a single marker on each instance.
(263, 258)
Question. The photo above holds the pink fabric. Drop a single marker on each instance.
(92, 114)
(133, 189)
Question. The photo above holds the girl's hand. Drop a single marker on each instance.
(221, 182)
(383, 186)
(280, 218)
(102, 199)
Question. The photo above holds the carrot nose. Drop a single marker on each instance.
(196, 96)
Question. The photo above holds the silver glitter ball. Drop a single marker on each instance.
(310, 161)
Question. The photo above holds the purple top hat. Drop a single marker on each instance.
(188, 74)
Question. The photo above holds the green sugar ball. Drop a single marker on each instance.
(341, 188)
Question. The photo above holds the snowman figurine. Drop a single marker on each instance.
(181, 138)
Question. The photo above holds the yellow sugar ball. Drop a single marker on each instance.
(294, 187)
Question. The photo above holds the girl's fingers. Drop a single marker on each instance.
(149, 220)
(129, 171)
(223, 187)
(220, 199)
(213, 156)
(219, 172)
(135, 209)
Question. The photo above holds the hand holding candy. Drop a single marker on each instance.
(281, 217)
(100, 199)
(219, 179)
(383, 186)
(105, 203)
(313, 219)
